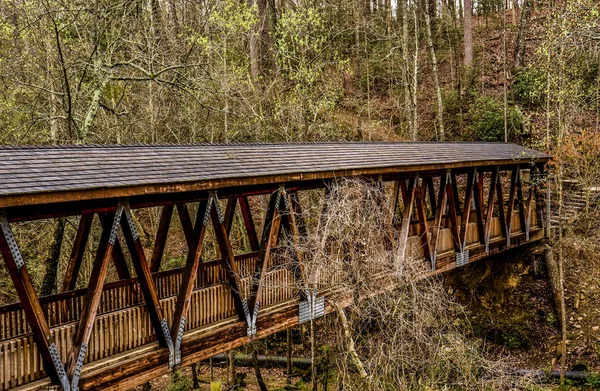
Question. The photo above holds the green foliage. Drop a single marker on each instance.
(487, 120)
(179, 382)
(529, 87)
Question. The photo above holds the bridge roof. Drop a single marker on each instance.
(44, 174)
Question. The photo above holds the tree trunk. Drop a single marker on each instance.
(260, 42)
(49, 285)
(259, 378)
(231, 367)
(289, 368)
(406, 70)
(415, 77)
(350, 343)
(436, 80)
(519, 52)
(313, 357)
(195, 380)
(468, 33)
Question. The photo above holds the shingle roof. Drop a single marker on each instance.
(48, 169)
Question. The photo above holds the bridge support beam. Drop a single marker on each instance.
(142, 270)
(269, 238)
(17, 269)
(83, 330)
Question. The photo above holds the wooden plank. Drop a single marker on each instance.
(466, 211)
(437, 221)
(29, 301)
(422, 216)
(409, 201)
(144, 276)
(94, 290)
(79, 246)
(269, 239)
(161, 237)
(118, 256)
(249, 223)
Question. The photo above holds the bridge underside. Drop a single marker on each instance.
(152, 318)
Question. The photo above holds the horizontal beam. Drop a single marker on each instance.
(35, 207)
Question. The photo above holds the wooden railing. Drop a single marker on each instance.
(66, 307)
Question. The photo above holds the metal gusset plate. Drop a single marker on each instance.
(60, 369)
(462, 258)
(311, 308)
(165, 330)
(116, 224)
(251, 318)
(10, 240)
(78, 367)
(178, 341)
(131, 222)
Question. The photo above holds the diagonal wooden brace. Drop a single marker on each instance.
(142, 270)
(92, 298)
(31, 305)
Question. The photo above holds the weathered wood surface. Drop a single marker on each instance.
(39, 175)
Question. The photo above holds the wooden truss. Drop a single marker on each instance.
(421, 203)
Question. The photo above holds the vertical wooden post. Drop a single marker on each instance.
(74, 263)
(161, 237)
(31, 304)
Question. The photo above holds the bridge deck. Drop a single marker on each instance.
(471, 200)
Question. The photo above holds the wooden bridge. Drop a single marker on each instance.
(472, 199)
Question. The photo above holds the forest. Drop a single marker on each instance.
(238, 71)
